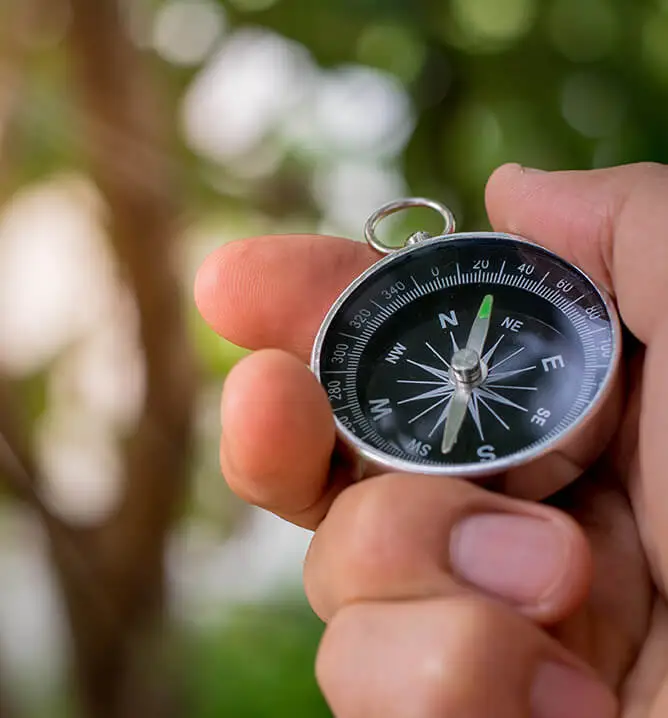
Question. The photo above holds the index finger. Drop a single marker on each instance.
(273, 292)
(612, 223)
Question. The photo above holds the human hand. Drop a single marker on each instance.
(443, 598)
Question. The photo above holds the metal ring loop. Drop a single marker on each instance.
(397, 206)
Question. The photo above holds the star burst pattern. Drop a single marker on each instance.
(439, 389)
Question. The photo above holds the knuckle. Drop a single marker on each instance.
(369, 509)
(349, 557)
(379, 540)
(364, 538)
(635, 181)
(650, 168)
(340, 643)
(441, 649)
(472, 620)
(243, 480)
(240, 485)
(444, 677)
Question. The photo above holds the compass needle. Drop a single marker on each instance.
(478, 333)
(469, 355)
(444, 414)
(455, 419)
(467, 372)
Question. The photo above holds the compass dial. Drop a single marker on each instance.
(479, 350)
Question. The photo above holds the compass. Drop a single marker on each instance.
(471, 354)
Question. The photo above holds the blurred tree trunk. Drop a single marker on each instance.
(113, 575)
(16, 20)
(5, 710)
(117, 628)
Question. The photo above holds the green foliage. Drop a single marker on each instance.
(258, 664)
(216, 355)
(558, 84)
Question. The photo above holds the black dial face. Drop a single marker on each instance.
(393, 355)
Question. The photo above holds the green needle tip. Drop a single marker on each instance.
(486, 307)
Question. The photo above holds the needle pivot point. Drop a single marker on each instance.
(466, 366)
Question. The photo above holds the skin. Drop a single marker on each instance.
(419, 622)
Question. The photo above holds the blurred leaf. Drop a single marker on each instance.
(216, 354)
(259, 664)
(32, 391)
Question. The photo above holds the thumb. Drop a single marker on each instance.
(611, 223)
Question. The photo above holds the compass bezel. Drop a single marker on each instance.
(379, 461)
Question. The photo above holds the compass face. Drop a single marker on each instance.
(542, 337)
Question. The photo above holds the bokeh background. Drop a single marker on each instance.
(135, 137)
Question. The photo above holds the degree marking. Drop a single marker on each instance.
(575, 301)
(576, 317)
(350, 336)
(343, 408)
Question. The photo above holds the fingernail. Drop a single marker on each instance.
(519, 558)
(533, 171)
(562, 692)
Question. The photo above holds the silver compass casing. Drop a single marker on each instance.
(534, 473)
